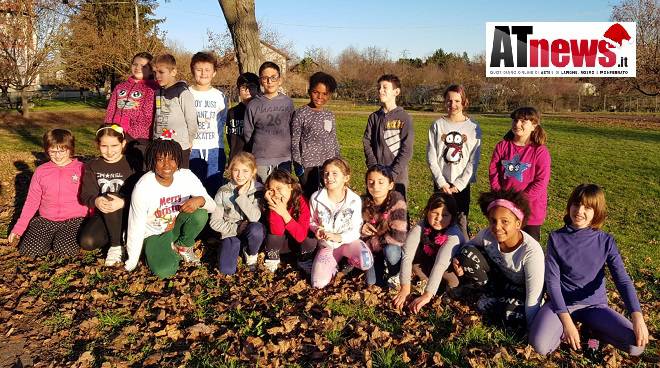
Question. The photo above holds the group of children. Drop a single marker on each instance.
(159, 182)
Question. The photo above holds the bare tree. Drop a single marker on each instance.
(29, 34)
(242, 25)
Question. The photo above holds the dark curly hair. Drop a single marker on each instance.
(163, 148)
(517, 198)
(324, 78)
(296, 190)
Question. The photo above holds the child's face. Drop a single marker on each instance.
(378, 185)
(242, 174)
(270, 80)
(522, 129)
(244, 93)
(319, 95)
(111, 149)
(61, 156)
(503, 224)
(387, 92)
(203, 72)
(581, 216)
(439, 218)
(454, 103)
(165, 75)
(164, 169)
(280, 190)
(334, 178)
(141, 69)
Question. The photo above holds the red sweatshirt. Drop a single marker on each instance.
(297, 228)
(54, 193)
(132, 107)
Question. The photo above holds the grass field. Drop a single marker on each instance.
(614, 152)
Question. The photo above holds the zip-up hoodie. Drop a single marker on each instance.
(345, 220)
(233, 208)
(175, 110)
(54, 193)
(132, 107)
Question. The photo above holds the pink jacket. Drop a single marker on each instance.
(132, 107)
(54, 193)
(524, 169)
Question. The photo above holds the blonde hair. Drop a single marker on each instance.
(244, 158)
(592, 196)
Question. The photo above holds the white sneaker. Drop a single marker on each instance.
(272, 264)
(114, 256)
(393, 281)
(251, 261)
(188, 255)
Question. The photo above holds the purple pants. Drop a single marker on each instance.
(230, 249)
(606, 325)
(325, 263)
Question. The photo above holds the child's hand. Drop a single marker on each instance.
(640, 329)
(571, 334)
(458, 269)
(114, 203)
(420, 301)
(368, 229)
(193, 204)
(333, 237)
(278, 205)
(400, 298)
(320, 234)
(446, 189)
(13, 239)
(268, 195)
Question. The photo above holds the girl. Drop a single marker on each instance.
(575, 278)
(336, 217)
(169, 208)
(106, 187)
(453, 151)
(53, 192)
(131, 106)
(505, 259)
(521, 162)
(385, 224)
(238, 214)
(428, 251)
(314, 133)
(288, 220)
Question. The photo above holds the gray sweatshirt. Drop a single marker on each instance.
(313, 136)
(175, 110)
(267, 126)
(388, 140)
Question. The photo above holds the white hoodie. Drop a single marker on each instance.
(344, 219)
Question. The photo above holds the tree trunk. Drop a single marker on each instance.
(25, 104)
(242, 24)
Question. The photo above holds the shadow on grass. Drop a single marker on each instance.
(607, 132)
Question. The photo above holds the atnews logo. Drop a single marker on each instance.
(560, 49)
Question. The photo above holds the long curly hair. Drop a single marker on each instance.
(284, 177)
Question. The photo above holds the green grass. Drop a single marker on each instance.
(58, 321)
(249, 323)
(387, 358)
(359, 311)
(113, 318)
(72, 104)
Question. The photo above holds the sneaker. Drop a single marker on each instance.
(251, 261)
(306, 265)
(188, 255)
(114, 256)
(393, 281)
(272, 264)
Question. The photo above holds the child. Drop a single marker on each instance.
(385, 215)
(575, 279)
(169, 208)
(453, 151)
(131, 107)
(288, 221)
(268, 123)
(521, 162)
(429, 249)
(336, 217)
(389, 135)
(106, 188)
(248, 87)
(314, 133)
(505, 259)
(238, 214)
(175, 107)
(207, 158)
(53, 192)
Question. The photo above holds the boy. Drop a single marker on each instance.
(268, 123)
(207, 157)
(389, 136)
(248, 87)
(175, 106)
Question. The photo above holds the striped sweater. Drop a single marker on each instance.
(389, 219)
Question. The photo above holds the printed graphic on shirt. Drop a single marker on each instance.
(453, 152)
(165, 215)
(392, 135)
(514, 168)
(273, 120)
(110, 182)
(207, 122)
(129, 100)
(327, 125)
(162, 114)
(340, 220)
(75, 178)
(235, 127)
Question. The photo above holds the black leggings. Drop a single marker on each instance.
(101, 229)
(276, 244)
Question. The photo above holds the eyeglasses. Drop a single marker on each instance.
(272, 79)
(57, 152)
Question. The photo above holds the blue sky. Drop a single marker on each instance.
(414, 28)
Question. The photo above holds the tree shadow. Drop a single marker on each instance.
(21, 186)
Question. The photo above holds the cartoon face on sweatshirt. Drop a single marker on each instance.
(513, 168)
(129, 100)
